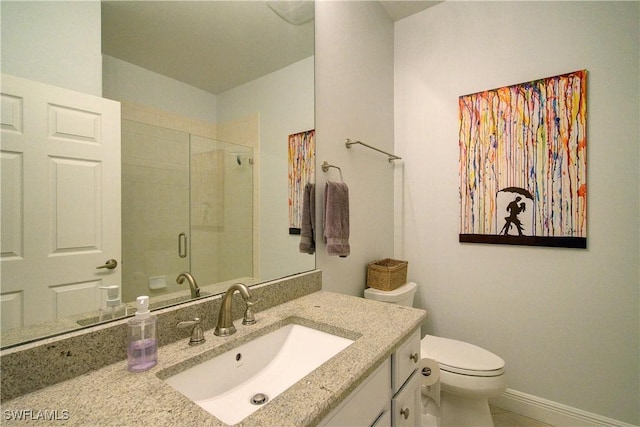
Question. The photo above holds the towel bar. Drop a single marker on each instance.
(326, 166)
(392, 157)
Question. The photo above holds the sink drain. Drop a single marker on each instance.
(259, 399)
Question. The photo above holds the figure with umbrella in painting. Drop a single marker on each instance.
(514, 208)
(515, 204)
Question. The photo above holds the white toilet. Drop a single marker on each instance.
(469, 375)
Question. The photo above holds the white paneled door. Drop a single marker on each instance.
(60, 201)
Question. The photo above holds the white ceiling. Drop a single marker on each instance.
(212, 45)
(399, 9)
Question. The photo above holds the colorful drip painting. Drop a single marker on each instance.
(302, 155)
(523, 177)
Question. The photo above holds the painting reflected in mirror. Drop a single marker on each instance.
(205, 115)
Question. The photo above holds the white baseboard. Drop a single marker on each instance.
(553, 413)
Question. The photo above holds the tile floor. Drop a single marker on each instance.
(504, 418)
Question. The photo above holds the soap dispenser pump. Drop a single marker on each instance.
(111, 307)
(142, 346)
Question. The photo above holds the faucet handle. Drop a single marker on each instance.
(249, 318)
(197, 334)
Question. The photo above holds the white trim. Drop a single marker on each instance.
(550, 412)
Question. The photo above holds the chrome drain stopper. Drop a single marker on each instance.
(259, 399)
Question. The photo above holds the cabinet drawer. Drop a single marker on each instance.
(405, 360)
(406, 406)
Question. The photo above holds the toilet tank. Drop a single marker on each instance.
(403, 295)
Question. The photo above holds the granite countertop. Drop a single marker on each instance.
(114, 396)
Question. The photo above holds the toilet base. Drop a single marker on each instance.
(460, 411)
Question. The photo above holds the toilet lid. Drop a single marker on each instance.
(461, 357)
(399, 291)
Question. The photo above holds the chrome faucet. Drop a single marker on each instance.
(225, 317)
(195, 290)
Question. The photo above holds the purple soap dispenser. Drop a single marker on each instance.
(142, 346)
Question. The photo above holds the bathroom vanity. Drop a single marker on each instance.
(388, 397)
(375, 372)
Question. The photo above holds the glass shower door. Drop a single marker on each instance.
(155, 209)
(221, 210)
(187, 205)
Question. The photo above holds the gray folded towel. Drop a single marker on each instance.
(336, 218)
(308, 226)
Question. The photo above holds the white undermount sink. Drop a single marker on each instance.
(233, 385)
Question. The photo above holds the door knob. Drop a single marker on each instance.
(110, 264)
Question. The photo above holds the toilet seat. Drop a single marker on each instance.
(461, 358)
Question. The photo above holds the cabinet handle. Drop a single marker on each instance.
(405, 412)
(414, 357)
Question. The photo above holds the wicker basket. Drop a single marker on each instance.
(387, 274)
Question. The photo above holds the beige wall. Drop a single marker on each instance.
(565, 320)
(283, 102)
(55, 42)
(128, 82)
(354, 99)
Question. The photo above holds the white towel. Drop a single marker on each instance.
(336, 218)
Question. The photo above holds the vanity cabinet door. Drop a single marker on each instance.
(405, 360)
(384, 420)
(394, 384)
(406, 406)
(367, 404)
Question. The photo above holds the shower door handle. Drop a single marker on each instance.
(182, 245)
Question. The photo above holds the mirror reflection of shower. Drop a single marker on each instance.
(241, 159)
(183, 195)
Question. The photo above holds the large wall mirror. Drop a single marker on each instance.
(211, 92)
